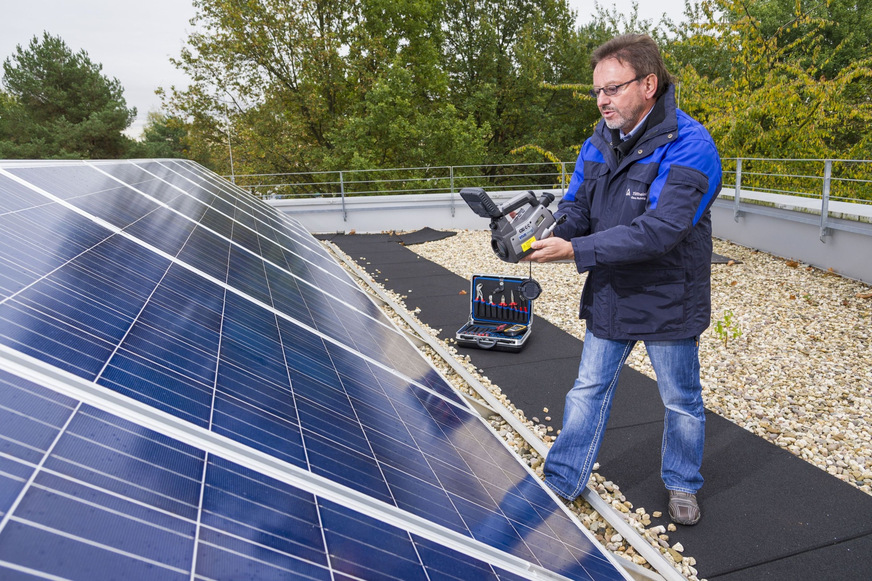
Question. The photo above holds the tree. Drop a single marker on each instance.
(163, 136)
(844, 29)
(389, 130)
(497, 55)
(314, 85)
(770, 97)
(309, 85)
(59, 105)
(773, 100)
(283, 74)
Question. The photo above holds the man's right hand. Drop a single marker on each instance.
(549, 250)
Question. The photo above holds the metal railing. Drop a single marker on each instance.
(807, 186)
(832, 179)
(822, 180)
(404, 181)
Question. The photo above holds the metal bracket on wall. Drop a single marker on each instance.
(825, 200)
(737, 213)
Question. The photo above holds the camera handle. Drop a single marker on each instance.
(527, 198)
(550, 229)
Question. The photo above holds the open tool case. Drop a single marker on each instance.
(500, 318)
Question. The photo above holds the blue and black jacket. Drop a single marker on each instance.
(640, 226)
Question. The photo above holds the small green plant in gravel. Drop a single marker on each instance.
(727, 328)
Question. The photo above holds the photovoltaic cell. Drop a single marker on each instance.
(108, 496)
(226, 327)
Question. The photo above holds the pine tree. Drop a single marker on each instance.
(58, 104)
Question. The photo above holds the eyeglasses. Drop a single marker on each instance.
(612, 90)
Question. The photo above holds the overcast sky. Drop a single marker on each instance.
(648, 9)
(134, 39)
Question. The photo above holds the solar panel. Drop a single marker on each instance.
(192, 387)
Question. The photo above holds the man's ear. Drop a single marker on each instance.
(650, 85)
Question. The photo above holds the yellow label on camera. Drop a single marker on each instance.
(525, 246)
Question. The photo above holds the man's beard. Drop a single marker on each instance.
(623, 119)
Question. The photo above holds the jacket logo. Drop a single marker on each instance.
(636, 195)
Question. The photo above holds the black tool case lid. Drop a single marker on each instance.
(497, 299)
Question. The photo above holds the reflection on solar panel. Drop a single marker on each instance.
(191, 387)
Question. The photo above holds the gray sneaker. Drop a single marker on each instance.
(683, 508)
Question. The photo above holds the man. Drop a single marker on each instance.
(638, 222)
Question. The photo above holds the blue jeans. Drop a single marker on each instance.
(588, 403)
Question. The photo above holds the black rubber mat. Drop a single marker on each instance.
(405, 238)
(761, 504)
(766, 513)
(424, 235)
(720, 259)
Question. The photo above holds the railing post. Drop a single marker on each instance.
(736, 212)
(563, 177)
(342, 193)
(825, 199)
(451, 181)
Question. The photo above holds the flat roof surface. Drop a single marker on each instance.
(767, 514)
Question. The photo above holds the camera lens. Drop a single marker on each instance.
(500, 248)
